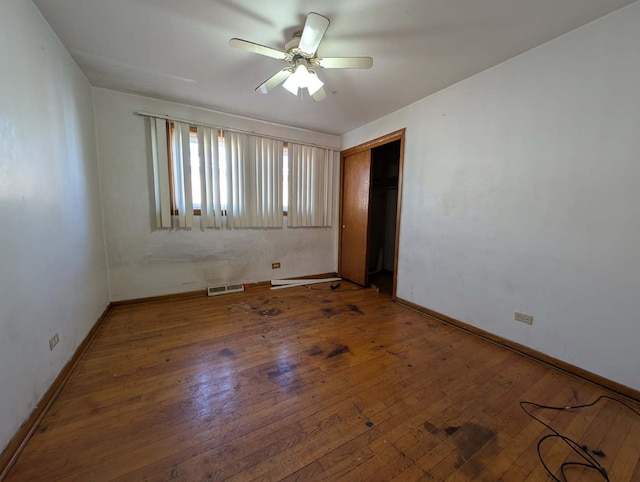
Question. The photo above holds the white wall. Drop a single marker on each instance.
(522, 193)
(147, 262)
(53, 270)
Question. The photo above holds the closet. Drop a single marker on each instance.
(370, 196)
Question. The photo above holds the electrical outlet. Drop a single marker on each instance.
(522, 318)
(275, 265)
(53, 341)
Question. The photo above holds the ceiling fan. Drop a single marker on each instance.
(301, 53)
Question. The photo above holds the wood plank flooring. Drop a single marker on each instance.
(311, 384)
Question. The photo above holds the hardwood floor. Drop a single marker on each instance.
(311, 384)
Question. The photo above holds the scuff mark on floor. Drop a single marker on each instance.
(339, 350)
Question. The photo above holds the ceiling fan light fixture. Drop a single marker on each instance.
(303, 77)
(292, 84)
(314, 84)
(298, 80)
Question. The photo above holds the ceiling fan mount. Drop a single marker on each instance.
(293, 52)
(292, 45)
(301, 53)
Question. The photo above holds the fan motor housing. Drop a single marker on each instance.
(294, 42)
(295, 53)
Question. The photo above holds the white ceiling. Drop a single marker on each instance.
(178, 50)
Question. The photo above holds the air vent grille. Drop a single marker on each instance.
(222, 290)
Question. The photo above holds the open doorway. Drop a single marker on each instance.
(385, 167)
(370, 200)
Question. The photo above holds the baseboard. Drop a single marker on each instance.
(198, 293)
(24, 433)
(528, 352)
(313, 276)
(155, 299)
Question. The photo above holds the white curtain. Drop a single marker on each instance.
(182, 198)
(211, 203)
(162, 190)
(268, 182)
(311, 186)
(245, 179)
(254, 174)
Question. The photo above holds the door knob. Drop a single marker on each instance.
(343, 226)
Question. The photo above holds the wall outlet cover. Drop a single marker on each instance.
(522, 318)
(53, 341)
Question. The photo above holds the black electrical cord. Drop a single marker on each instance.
(581, 450)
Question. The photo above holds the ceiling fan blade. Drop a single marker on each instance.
(314, 29)
(257, 48)
(275, 80)
(346, 62)
(319, 95)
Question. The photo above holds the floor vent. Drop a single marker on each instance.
(223, 290)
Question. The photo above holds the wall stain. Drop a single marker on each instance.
(339, 350)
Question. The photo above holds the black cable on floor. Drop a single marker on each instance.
(582, 450)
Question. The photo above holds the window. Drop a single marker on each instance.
(237, 180)
(194, 151)
(196, 196)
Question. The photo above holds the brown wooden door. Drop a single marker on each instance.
(356, 178)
